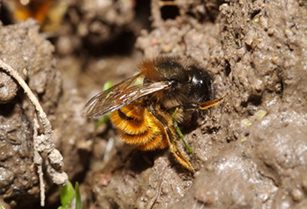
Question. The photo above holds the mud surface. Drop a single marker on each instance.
(27, 51)
(250, 152)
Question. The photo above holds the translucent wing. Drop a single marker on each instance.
(120, 95)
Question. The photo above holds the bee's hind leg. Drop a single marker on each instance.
(172, 139)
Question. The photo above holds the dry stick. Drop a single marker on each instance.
(41, 114)
(167, 3)
(43, 139)
(38, 160)
(155, 198)
(155, 13)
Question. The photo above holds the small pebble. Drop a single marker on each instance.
(297, 195)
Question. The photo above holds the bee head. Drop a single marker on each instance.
(188, 83)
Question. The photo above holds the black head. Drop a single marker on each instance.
(199, 85)
(190, 84)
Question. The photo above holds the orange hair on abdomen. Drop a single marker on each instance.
(139, 127)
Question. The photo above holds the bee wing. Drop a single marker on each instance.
(120, 95)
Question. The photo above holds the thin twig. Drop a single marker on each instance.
(157, 195)
(42, 142)
(41, 114)
(155, 13)
(167, 3)
(38, 160)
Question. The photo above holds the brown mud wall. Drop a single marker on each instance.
(250, 152)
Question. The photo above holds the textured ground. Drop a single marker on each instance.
(250, 152)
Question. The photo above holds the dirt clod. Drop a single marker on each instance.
(249, 152)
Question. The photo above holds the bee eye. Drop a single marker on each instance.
(200, 85)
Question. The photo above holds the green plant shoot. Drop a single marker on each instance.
(105, 118)
(70, 196)
(187, 147)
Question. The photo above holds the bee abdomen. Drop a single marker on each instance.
(158, 142)
(142, 129)
(138, 139)
(129, 120)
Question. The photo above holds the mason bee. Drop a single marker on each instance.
(143, 112)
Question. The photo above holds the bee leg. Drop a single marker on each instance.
(211, 103)
(180, 157)
(172, 139)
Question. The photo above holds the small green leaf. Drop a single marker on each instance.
(107, 85)
(78, 197)
(102, 120)
(139, 81)
(67, 195)
(187, 147)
